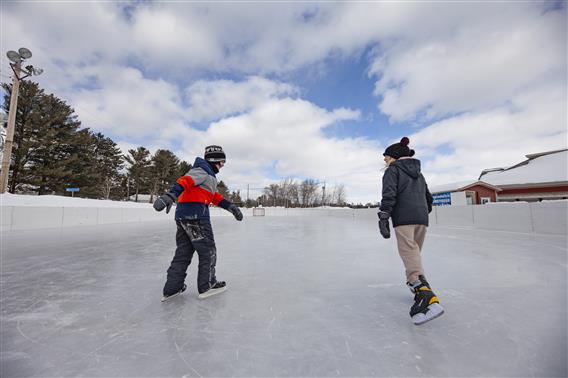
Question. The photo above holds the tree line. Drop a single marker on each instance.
(307, 193)
(52, 152)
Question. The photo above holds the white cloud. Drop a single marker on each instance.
(164, 37)
(127, 104)
(535, 121)
(287, 135)
(478, 62)
(212, 100)
(184, 37)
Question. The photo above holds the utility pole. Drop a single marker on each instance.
(17, 58)
(323, 197)
(7, 155)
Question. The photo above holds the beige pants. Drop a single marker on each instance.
(410, 239)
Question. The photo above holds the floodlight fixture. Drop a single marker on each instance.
(25, 53)
(31, 70)
(14, 56)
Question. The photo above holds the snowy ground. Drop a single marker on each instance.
(8, 199)
(307, 297)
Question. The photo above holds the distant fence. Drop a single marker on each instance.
(539, 217)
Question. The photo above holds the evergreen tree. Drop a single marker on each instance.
(223, 189)
(110, 162)
(139, 168)
(163, 172)
(51, 144)
(183, 168)
(96, 163)
(82, 165)
(27, 115)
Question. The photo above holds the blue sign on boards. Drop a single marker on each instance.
(442, 199)
(72, 189)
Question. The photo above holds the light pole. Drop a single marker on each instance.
(16, 58)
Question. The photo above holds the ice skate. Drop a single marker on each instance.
(166, 297)
(218, 288)
(426, 304)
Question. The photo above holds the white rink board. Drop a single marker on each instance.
(6, 213)
(32, 217)
(503, 217)
(544, 217)
(79, 216)
(454, 215)
(110, 215)
(550, 217)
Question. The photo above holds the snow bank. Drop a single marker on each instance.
(8, 199)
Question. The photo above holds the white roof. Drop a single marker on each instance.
(551, 168)
(451, 187)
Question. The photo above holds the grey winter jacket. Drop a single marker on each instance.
(405, 193)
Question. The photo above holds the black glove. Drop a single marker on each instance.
(236, 212)
(384, 224)
(164, 202)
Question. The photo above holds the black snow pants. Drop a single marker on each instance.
(192, 236)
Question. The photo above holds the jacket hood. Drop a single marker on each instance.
(203, 164)
(409, 166)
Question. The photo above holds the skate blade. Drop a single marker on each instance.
(211, 292)
(434, 310)
(164, 298)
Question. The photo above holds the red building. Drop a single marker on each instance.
(465, 193)
(481, 192)
(543, 176)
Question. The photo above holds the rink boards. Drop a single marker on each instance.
(539, 217)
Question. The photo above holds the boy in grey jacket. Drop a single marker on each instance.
(407, 202)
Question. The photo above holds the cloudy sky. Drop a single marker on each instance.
(308, 90)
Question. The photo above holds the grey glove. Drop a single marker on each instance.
(236, 212)
(384, 224)
(164, 201)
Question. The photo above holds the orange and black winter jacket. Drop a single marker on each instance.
(196, 191)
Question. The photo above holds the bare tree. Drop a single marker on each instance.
(308, 191)
(288, 192)
(271, 191)
(339, 195)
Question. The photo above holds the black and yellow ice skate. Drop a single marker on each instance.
(426, 304)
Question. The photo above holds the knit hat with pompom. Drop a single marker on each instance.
(398, 150)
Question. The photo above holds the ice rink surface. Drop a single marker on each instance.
(307, 296)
